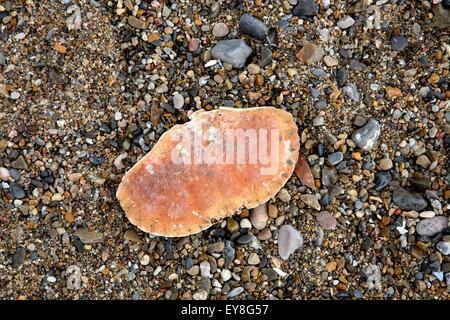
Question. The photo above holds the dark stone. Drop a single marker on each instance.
(306, 9)
(382, 179)
(244, 239)
(253, 27)
(16, 190)
(409, 201)
(399, 43)
(18, 257)
(341, 77)
(266, 57)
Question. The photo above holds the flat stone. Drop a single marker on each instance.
(444, 247)
(423, 161)
(253, 259)
(266, 57)
(253, 27)
(18, 257)
(16, 190)
(259, 217)
(310, 53)
(234, 52)
(409, 201)
(441, 18)
(351, 92)
(326, 220)
(235, 292)
(382, 180)
(264, 234)
(289, 240)
(220, 30)
(311, 201)
(137, 23)
(306, 9)
(431, 227)
(399, 43)
(88, 237)
(346, 22)
(131, 235)
(19, 163)
(341, 77)
(178, 101)
(335, 158)
(367, 136)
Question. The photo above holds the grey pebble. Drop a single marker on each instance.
(366, 136)
(253, 26)
(234, 52)
(407, 200)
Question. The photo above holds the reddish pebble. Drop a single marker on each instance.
(326, 220)
(193, 44)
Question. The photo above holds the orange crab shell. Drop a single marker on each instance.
(172, 199)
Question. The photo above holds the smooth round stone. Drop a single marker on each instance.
(253, 259)
(346, 22)
(399, 43)
(335, 158)
(220, 30)
(431, 227)
(245, 224)
(253, 68)
(409, 201)
(193, 44)
(427, 214)
(306, 9)
(225, 274)
(360, 120)
(326, 220)
(178, 101)
(444, 248)
(385, 164)
(17, 191)
(232, 225)
(284, 195)
(145, 260)
(264, 234)
(259, 217)
(253, 26)
(4, 174)
(244, 239)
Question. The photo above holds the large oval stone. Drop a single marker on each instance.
(196, 174)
